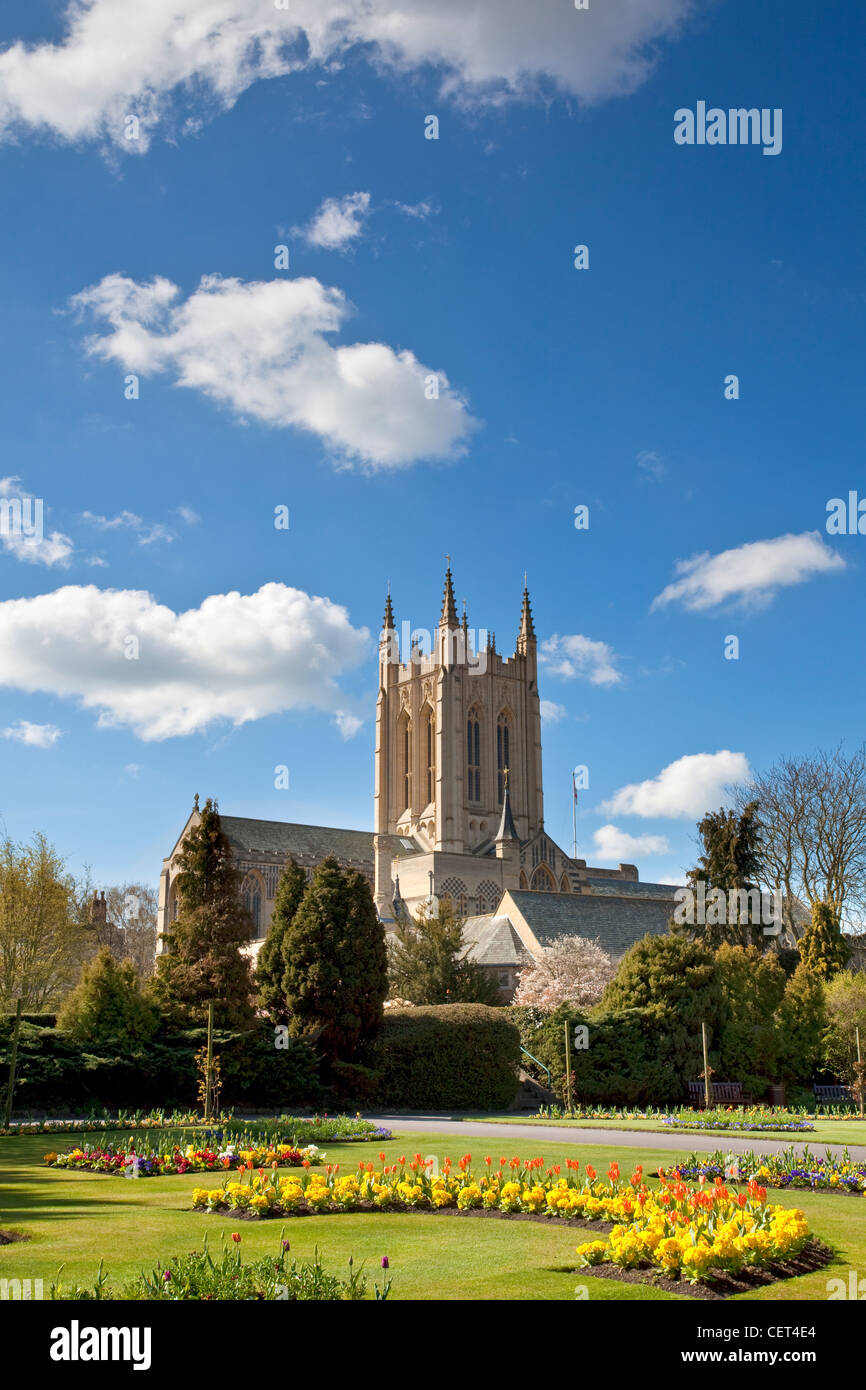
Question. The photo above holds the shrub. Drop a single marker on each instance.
(448, 1056)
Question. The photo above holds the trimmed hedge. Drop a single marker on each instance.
(447, 1057)
(54, 1073)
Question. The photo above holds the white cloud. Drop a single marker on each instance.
(146, 532)
(185, 59)
(551, 713)
(572, 656)
(614, 846)
(348, 724)
(260, 348)
(22, 532)
(338, 222)
(188, 515)
(685, 789)
(34, 735)
(237, 657)
(420, 211)
(751, 574)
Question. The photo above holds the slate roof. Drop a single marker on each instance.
(616, 922)
(316, 841)
(629, 888)
(492, 940)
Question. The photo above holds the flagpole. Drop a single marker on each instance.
(573, 818)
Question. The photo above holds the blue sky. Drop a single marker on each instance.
(558, 387)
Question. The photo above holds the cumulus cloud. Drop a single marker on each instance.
(261, 349)
(138, 664)
(552, 713)
(614, 846)
(34, 735)
(420, 211)
(338, 222)
(684, 789)
(22, 533)
(185, 59)
(751, 574)
(575, 656)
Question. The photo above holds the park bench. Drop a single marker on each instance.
(828, 1094)
(721, 1092)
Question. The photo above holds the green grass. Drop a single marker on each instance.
(79, 1218)
(839, 1132)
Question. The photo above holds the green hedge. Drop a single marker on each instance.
(53, 1073)
(447, 1057)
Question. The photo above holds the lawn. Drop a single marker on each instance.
(838, 1132)
(79, 1218)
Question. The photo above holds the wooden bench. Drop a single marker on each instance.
(721, 1093)
(829, 1094)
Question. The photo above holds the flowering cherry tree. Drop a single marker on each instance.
(571, 971)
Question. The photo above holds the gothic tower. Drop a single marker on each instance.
(458, 754)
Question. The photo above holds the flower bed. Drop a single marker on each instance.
(684, 1114)
(830, 1173)
(726, 1122)
(155, 1164)
(320, 1129)
(694, 1233)
(682, 1230)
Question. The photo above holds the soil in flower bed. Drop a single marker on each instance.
(8, 1237)
(546, 1218)
(814, 1255)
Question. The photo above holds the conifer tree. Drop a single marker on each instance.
(335, 978)
(823, 948)
(731, 863)
(271, 961)
(203, 957)
(802, 1024)
(427, 965)
(107, 1006)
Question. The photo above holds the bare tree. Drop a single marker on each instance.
(812, 813)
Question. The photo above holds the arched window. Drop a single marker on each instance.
(251, 893)
(473, 755)
(487, 895)
(406, 761)
(523, 882)
(564, 885)
(430, 748)
(503, 753)
(543, 880)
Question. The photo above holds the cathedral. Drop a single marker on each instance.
(458, 812)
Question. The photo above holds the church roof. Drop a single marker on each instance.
(492, 940)
(631, 888)
(317, 841)
(615, 921)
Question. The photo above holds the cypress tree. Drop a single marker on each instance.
(271, 961)
(107, 1006)
(335, 978)
(823, 948)
(203, 959)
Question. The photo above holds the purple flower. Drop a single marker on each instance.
(166, 1276)
(385, 1262)
(286, 1245)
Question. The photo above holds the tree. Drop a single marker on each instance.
(571, 971)
(845, 997)
(822, 945)
(802, 1026)
(427, 962)
(731, 864)
(813, 829)
(131, 921)
(108, 1007)
(335, 979)
(753, 986)
(669, 971)
(204, 957)
(43, 944)
(271, 962)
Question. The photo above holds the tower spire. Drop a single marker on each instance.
(388, 620)
(507, 829)
(448, 616)
(527, 627)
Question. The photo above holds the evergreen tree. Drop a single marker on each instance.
(203, 959)
(753, 986)
(335, 978)
(107, 1006)
(271, 961)
(731, 863)
(822, 946)
(427, 965)
(802, 1025)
